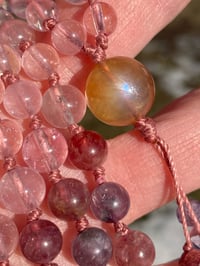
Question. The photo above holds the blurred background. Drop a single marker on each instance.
(173, 57)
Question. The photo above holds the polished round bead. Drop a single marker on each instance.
(39, 61)
(2, 90)
(11, 138)
(18, 7)
(134, 249)
(18, 31)
(110, 202)
(87, 150)
(10, 59)
(195, 204)
(100, 18)
(9, 237)
(190, 258)
(4, 16)
(68, 37)
(63, 105)
(44, 149)
(68, 199)
(92, 247)
(22, 99)
(39, 11)
(76, 2)
(120, 91)
(22, 190)
(40, 241)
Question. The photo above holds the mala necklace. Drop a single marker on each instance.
(119, 91)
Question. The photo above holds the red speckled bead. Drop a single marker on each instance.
(134, 249)
(68, 199)
(190, 258)
(40, 241)
(87, 150)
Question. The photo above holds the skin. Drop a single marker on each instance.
(132, 162)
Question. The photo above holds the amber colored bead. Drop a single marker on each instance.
(190, 258)
(119, 91)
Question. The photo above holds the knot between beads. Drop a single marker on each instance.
(147, 127)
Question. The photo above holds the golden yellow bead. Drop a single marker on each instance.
(119, 91)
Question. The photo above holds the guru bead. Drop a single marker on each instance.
(120, 91)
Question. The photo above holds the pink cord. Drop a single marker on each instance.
(34, 215)
(24, 45)
(55, 176)
(9, 163)
(49, 24)
(9, 78)
(121, 228)
(99, 175)
(35, 122)
(148, 128)
(53, 79)
(82, 224)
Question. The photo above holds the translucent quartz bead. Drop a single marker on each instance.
(4, 16)
(134, 249)
(100, 17)
(195, 204)
(76, 2)
(68, 37)
(110, 202)
(10, 59)
(22, 190)
(63, 105)
(2, 90)
(119, 91)
(22, 99)
(190, 258)
(9, 237)
(18, 7)
(68, 199)
(18, 31)
(11, 138)
(44, 149)
(39, 11)
(40, 241)
(39, 61)
(92, 247)
(87, 150)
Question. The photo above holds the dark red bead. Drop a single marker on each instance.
(40, 241)
(68, 199)
(87, 150)
(190, 258)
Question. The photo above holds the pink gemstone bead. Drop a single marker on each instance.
(22, 99)
(18, 31)
(11, 138)
(63, 106)
(100, 18)
(39, 61)
(2, 90)
(18, 7)
(190, 258)
(39, 11)
(9, 59)
(41, 241)
(4, 16)
(135, 249)
(9, 237)
(44, 149)
(22, 190)
(68, 37)
(76, 2)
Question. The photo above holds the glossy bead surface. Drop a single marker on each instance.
(87, 150)
(39, 61)
(44, 149)
(68, 199)
(39, 11)
(100, 17)
(40, 241)
(18, 31)
(110, 202)
(120, 91)
(10, 60)
(4, 16)
(11, 138)
(134, 249)
(190, 258)
(22, 99)
(9, 237)
(2, 90)
(18, 7)
(195, 204)
(22, 190)
(92, 247)
(63, 105)
(68, 37)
